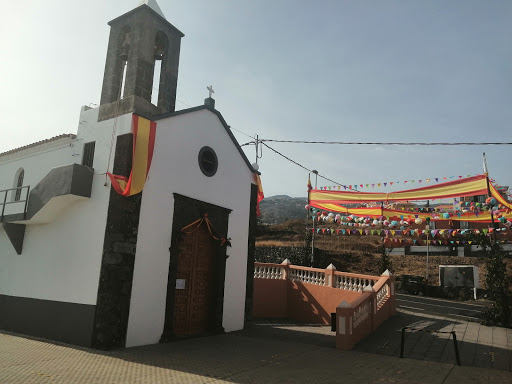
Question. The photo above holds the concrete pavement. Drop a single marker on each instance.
(248, 356)
(465, 310)
(479, 345)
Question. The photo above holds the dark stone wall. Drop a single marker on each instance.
(144, 25)
(186, 211)
(55, 320)
(251, 247)
(116, 276)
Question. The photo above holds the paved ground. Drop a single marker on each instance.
(465, 310)
(262, 354)
(479, 346)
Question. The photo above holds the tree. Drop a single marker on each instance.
(497, 283)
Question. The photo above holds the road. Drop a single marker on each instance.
(469, 311)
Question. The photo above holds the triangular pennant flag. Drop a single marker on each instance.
(385, 184)
(428, 180)
(378, 184)
(393, 233)
(437, 179)
(390, 183)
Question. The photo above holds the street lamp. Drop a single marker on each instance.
(427, 230)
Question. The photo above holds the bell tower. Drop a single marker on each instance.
(140, 41)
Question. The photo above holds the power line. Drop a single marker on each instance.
(252, 137)
(373, 143)
(300, 165)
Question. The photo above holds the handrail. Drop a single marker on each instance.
(5, 202)
(357, 275)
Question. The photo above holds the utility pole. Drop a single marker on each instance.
(489, 195)
(313, 234)
(427, 274)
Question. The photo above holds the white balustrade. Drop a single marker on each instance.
(361, 313)
(268, 272)
(382, 295)
(307, 276)
(352, 283)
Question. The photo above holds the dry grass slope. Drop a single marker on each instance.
(361, 254)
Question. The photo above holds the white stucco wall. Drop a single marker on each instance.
(61, 260)
(36, 164)
(175, 169)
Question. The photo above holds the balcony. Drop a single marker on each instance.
(57, 191)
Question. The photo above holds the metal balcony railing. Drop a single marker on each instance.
(17, 193)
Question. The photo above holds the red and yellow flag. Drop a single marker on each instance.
(260, 196)
(143, 144)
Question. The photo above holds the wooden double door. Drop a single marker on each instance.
(195, 284)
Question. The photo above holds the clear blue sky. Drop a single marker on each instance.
(324, 70)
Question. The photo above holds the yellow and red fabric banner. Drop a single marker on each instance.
(476, 185)
(376, 212)
(260, 196)
(144, 131)
(499, 198)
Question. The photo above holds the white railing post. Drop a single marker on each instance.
(329, 276)
(286, 269)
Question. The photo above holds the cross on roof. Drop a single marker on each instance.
(210, 89)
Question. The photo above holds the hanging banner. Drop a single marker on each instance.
(260, 196)
(143, 131)
(476, 185)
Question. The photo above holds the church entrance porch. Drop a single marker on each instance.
(195, 288)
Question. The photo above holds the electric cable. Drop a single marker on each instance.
(300, 165)
(375, 143)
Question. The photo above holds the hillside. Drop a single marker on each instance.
(360, 254)
(280, 208)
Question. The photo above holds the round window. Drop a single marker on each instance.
(208, 161)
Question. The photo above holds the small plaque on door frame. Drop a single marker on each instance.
(181, 283)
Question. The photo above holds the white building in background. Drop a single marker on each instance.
(82, 264)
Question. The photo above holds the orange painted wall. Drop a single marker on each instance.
(270, 298)
(313, 303)
(299, 301)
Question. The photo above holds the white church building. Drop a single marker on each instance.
(81, 263)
